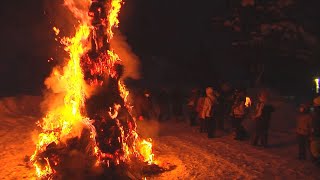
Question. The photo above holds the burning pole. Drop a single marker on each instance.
(116, 129)
(108, 137)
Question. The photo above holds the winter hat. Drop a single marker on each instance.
(316, 101)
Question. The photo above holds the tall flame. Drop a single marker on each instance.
(68, 82)
(60, 121)
(113, 20)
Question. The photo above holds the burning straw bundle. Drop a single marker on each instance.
(86, 133)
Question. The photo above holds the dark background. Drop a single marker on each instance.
(177, 42)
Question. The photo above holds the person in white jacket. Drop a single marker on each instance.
(208, 111)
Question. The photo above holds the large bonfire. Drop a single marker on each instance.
(90, 113)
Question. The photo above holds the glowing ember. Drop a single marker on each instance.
(56, 31)
(112, 129)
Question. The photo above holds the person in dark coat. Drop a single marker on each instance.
(192, 106)
(238, 113)
(315, 137)
(143, 105)
(164, 105)
(225, 103)
(177, 102)
(303, 130)
(262, 118)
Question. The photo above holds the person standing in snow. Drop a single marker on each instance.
(192, 103)
(238, 112)
(315, 138)
(303, 130)
(262, 118)
(225, 103)
(208, 111)
(199, 109)
(143, 105)
(164, 105)
(177, 102)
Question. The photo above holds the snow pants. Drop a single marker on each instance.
(303, 145)
(211, 127)
(260, 133)
(193, 117)
(203, 125)
(237, 128)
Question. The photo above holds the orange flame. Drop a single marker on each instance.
(63, 119)
(113, 20)
(124, 93)
(146, 151)
(248, 102)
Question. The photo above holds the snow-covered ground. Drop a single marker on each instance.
(198, 157)
(17, 124)
(193, 154)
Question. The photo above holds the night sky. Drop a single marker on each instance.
(176, 41)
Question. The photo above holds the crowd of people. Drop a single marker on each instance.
(225, 109)
(161, 105)
(212, 108)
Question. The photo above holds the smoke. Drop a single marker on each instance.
(148, 128)
(79, 9)
(53, 95)
(130, 61)
(67, 11)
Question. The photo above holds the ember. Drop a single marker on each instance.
(98, 126)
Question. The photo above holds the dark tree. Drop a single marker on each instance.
(271, 33)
